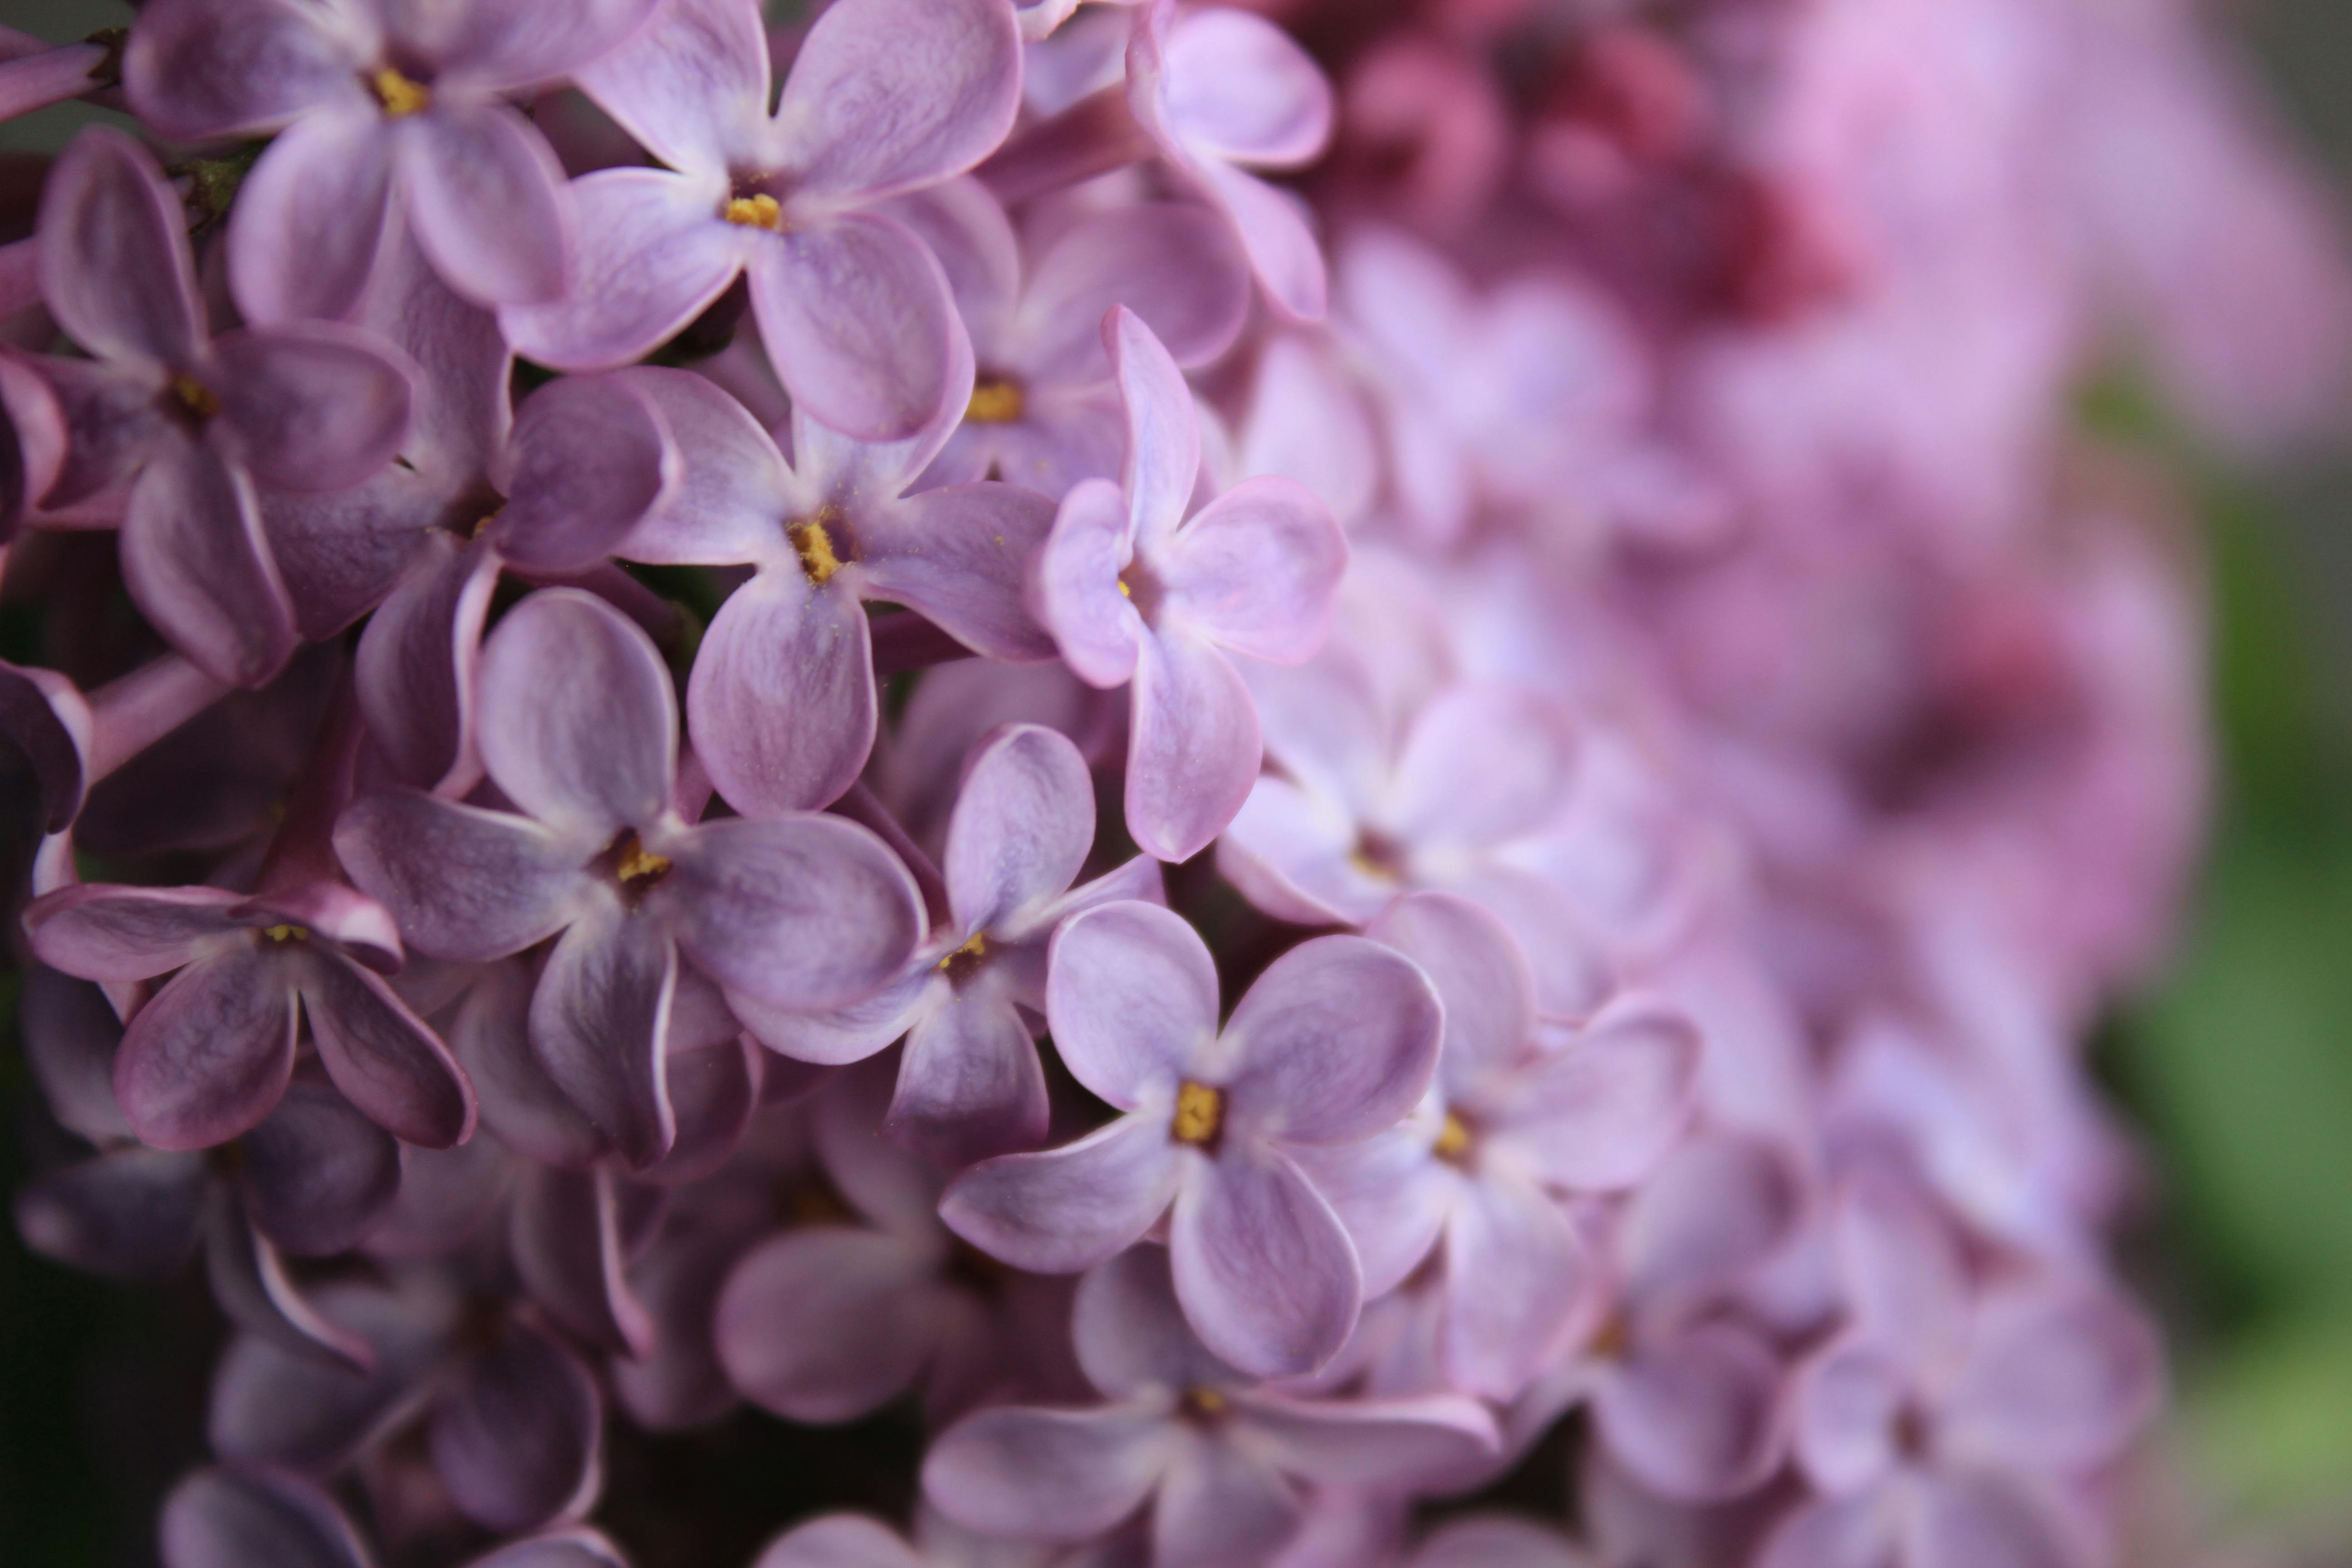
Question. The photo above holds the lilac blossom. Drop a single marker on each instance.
(74, 739)
(1137, 587)
(34, 75)
(1217, 1460)
(1947, 1420)
(183, 424)
(782, 702)
(885, 97)
(826, 1322)
(512, 1417)
(1331, 1046)
(229, 1518)
(1514, 1119)
(376, 109)
(579, 726)
(1220, 92)
(969, 1083)
(1044, 412)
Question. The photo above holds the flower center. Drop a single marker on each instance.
(401, 96)
(196, 399)
(1913, 1432)
(634, 867)
(282, 934)
(995, 402)
(1453, 1140)
(1612, 1339)
(965, 959)
(1377, 855)
(758, 211)
(1200, 1114)
(1205, 1403)
(815, 543)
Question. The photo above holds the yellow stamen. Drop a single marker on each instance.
(399, 95)
(1611, 1340)
(977, 947)
(763, 211)
(1124, 590)
(995, 402)
(1205, 1402)
(815, 546)
(637, 863)
(1452, 1139)
(195, 396)
(282, 933)
(482, 522)
(1199, 1112)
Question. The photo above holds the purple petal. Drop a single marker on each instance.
(504, 48)
(962, 223)
(1131, 999)
(652, 253)
(1237, 86)
(312, 405)
(782, 703)
(1258, 569)
(383, 1057)
(569, 1235)
(1484, 763)
(1220, 1504)
(1273, 228)
(1516, 1275)
(114, 260)
(309, 218)
(589, 458)
(897, 1190)
(714, 1089)
(1370, 1443)
(1498, 1541)
(1859, 1532)
(732, 484)
(858, 321)
(1985, 1521)
(693, 86)
(1163, 431)
(679, 1384)
(1845, 1412)
(1390, 1192)
(1129, 1331)
(208, 1056)
(805, 911)
(1266, 1271)
(1905, 1270)
(888, 95)
(1177, 267)
(970, 1084)
(519, 1105)
(488, 203)
(1048, 1475)
(517, 1441)
(596, 1026)
(1718, 1206)
(557, 1549)
(196, 562)
(102, 932)
(1479, 973)
(315, 1173)
(1075, 586)
(838, 1541)
(303, 1413)
(251, 1287)
(1063, 1210)
(1335, 1041)
(200, 69)
(2056, 1380)
(463, 883)
(1193, 748)
(1021, 829)
(416, 664)
(837, 1035)
(961, 554)
(579, 721)
(827, 1324)
(226, 1519)
(70, 1033)
(1602, 1111)
(129, 1215)
(1697, 1418)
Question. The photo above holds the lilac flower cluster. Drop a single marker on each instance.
(1247, 769)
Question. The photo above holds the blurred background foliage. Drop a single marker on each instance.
(2237, 1066)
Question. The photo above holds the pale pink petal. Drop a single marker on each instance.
(1846, 1406)
(1256, 570)
(1219, 1504)
(1266, 1271)
(693, 86)
(1193, 747)
(309, 218)
(1022, 828)
(578, 721)
(1132, 1000)
(1163, 431)
(114, 263)
(1516, 1274)
(858, 321)
(652, 252)
(782, 701)
(1236, 86)
(487, 205)
(1601, 1111)
(1048, 1475)
(827, 1324)
(961, 554)
(1063, 1210)
(1696, 1419)
(1335, 1041)
(1075, 586)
